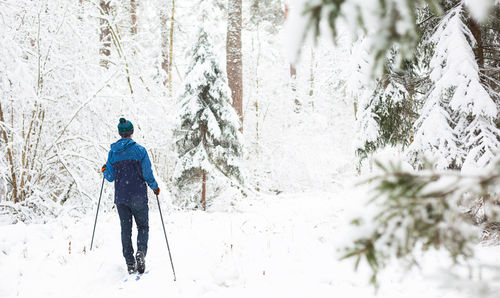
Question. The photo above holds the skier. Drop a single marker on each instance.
(129, 167)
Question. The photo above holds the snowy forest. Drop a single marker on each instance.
(303, 148)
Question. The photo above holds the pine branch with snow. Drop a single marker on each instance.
(418, 211)
(386, 23)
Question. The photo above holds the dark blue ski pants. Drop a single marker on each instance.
(138, 210)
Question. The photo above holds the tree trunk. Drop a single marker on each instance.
(478, 51)
(234, 65)
(293, 76)
(31, 162)
(26, 149)
(133, 16)
(204, 190)
(355, 106)
(293, 71)
(203, 172)
(81, 11)
(311, 81)
(171, 50)
(105, 34)
(164, 45)
(10, 157)
(257, 89)
(293, 85)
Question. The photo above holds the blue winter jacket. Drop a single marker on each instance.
(129, 166)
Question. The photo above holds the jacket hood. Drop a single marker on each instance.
(121, 145)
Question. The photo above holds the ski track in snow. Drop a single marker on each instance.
(280, 246)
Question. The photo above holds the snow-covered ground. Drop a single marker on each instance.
(279, 246)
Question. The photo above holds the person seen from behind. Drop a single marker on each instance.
(129, 167)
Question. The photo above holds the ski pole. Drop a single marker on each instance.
(164, 232)
(95, 222)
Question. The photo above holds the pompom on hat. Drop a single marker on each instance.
(125, 128)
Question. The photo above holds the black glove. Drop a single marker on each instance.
(156, 191)
(103, 168)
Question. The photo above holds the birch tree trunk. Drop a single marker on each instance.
(234, 65)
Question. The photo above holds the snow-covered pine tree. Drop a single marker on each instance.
(456, 124)
(388, 106)
(435, 138)
(474, 109)
(387, 113)
(208, 140)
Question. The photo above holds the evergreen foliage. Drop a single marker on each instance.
(377, 19)
(389, 114)
(389, 110)
(419, 211)
(457, 129)
(207, 135)
(387, 23)
(456, 124)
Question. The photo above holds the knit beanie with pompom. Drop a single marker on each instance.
(125, 128)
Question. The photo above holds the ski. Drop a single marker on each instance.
(138, 277)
